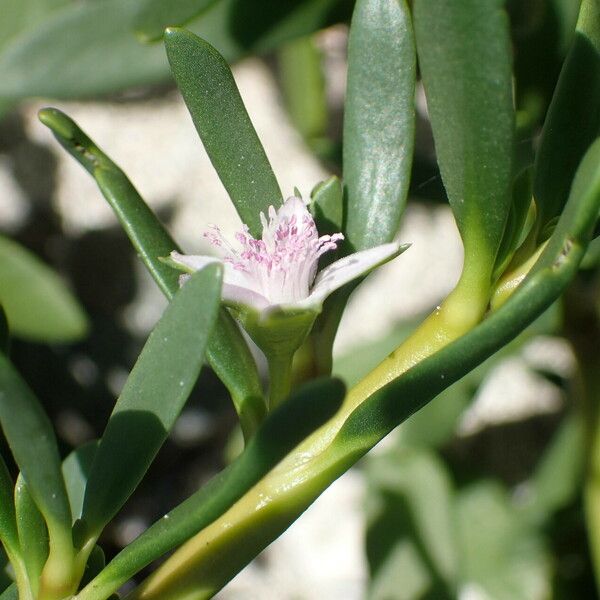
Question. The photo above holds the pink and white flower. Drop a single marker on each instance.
(279, 271)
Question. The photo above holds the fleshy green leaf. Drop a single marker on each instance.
(8, 525)
(31, 438)
(33, 534)
(558, 476)
(10, 593)
(517, 222)
(327, 206)
(500, 554)
(154, 16)
(23, 15)
(573, 120)
(240, 27)
(228, 352)
(306, 410)
(379, 120)
(414, 496)
(302, 81)
(76, 469)
(37, 303)
(212, 97)
(153, 396)
(60, 57)
(464, 54)
(45, 61)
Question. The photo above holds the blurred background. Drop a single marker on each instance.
(479, 495)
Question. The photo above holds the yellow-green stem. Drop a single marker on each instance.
(207, 561)
(58, 579)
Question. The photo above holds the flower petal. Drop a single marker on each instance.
(348, 268)
(237, 290)
(190, 263)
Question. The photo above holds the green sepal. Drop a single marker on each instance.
(276, 332)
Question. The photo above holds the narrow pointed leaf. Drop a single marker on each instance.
(212, 97)
(76, 469)
(33, 534)
(154, 16)
(379, 120)
(285, 428)
(10, 593)
(8, 525)
(153, 396)
(38, 304)
(573, 120)
(516, 223)
(465, 60)
(228, 352)
(33, 444)
(327, 206)
(300, 69)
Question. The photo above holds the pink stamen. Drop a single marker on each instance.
(282, 264)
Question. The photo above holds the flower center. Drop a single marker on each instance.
(282, 265)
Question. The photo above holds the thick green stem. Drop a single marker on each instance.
(59, 579)
(202, 565)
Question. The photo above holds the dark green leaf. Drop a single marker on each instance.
(499, 553)
(212, 97)
(4, 332)
(8, 525)
(154, 16)
(23, 15)
(306, 410)
(76, 469)
(152, 398)
(227, 352)
(379, 121)
(514, 232)
(10, 593)
(240, 27)
(96, 562)
(414, 498)
(558, 476)
(33, 444)
(465, 59)
(33, 533)
(84, 49)
(303, 87)
(573, 120)
(327, 205)
(37, 303)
